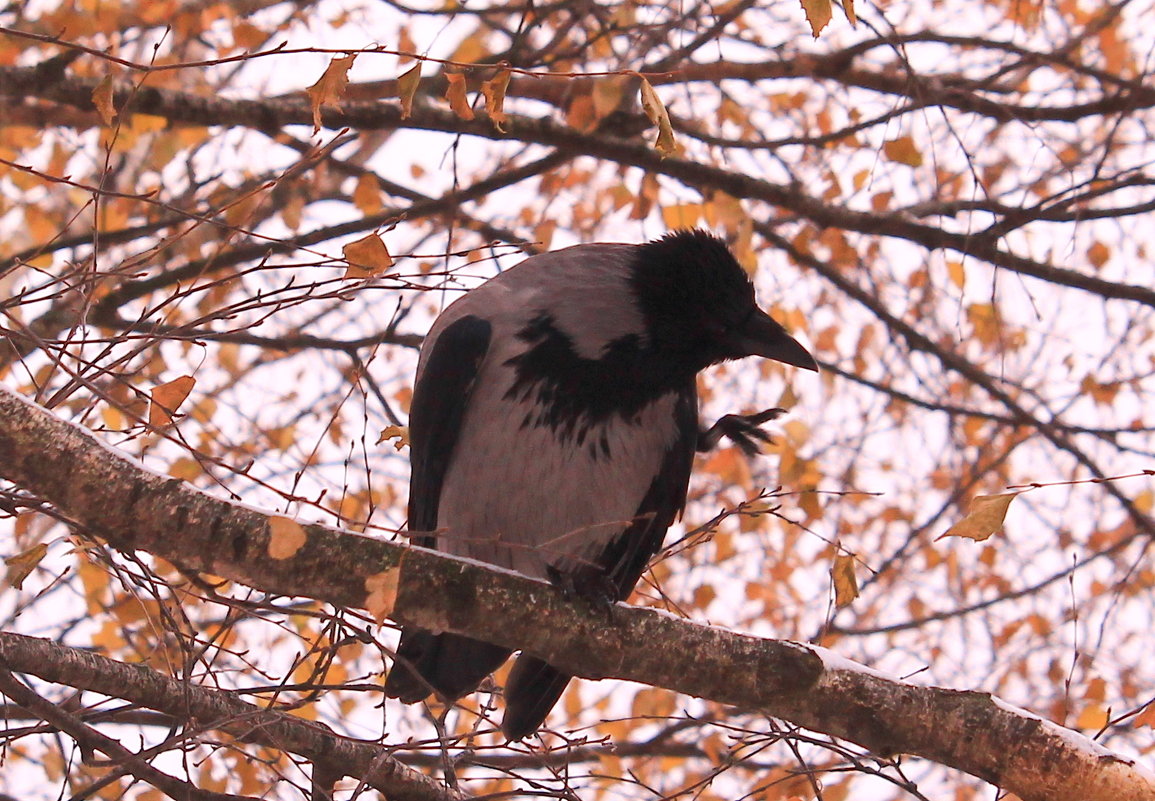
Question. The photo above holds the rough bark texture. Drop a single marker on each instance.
(217, 710)
(113, 498)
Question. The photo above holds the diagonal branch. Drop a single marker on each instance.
(369, 116)
(212, 709)
(114, 498)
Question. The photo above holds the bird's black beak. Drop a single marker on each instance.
(762, 336)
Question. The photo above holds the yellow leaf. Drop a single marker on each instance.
(455, 94)
(656, 112)
(381, 593)
(845, 583)
(681, 215)
(399, 433)
(165, 399)
(1093, 717)
(1146, 717)
(472, 49)
(367, 195)
(102, 99)
(282, 437)
(148, 123)
(1145, 501)
(730, 466)
(286, 537)
(984, 518)
(23, 563)
(367, 257)
(494, 92)
(957, 274)
(329, 88)
(653, 702)
(818, 14)
(984, 318)
(407, 88)
(903, 151)
(185, 468)
(607, 94)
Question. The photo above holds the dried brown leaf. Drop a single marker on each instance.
(983, 519)
(102, 99)
(381, 592)
(407, 89)
(455, 94)
(23, 563)
(165, 399)
(845, 582)
(818, 14)
(494, 92)
(286, 537)
(367, 257)
(330, 87)
(399, 433)
(656, 112)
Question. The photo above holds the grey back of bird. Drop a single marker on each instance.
(554, 424)
(544, 492)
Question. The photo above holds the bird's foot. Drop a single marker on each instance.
(586, 583)
(744, 430)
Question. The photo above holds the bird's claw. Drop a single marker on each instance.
(744, 430)
(588, 583)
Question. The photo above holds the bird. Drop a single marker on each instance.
(553, 427)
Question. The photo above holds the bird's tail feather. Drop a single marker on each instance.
(449, 664)
(531, 691)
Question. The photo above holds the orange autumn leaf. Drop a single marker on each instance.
(367, 257)
(367, 195)
(903, 150)
(102, 99)
(818, 14)
(845, 582)
(455, 94)
(381, 592)
(286, 537)
(399, 433)
(23, 563)
(165, 399)
(984, 517)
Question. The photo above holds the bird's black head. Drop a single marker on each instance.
(699, 307)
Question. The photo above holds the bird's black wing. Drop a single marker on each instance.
(440, 399)
(534, 686)
(448, 663)
(625, 558)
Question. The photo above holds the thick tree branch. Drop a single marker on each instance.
(212, 709)
(135, 509)
(368, 116)
(90, 740)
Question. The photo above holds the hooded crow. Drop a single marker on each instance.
(553, 426)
